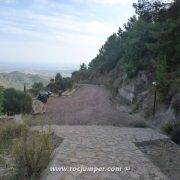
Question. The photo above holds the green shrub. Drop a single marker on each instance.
(32, 154)
(1, 99)
(161, 75)
(173, 130)
(36, 88)
(130, 69)
(139, 124)
(167, 128)
(175, 134)
(16, 102)
(66, 84)
(59, 84)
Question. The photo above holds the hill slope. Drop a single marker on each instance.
(17, 79)
(146, 50)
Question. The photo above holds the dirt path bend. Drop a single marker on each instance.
(89, 105)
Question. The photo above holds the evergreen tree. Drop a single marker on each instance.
(83, 67)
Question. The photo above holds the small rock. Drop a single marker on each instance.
(67, 177)
(74, 160)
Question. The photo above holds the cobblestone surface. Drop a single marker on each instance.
(102, 146)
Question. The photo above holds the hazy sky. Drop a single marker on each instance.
(58, 31)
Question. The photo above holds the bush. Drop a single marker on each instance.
(11, 130)
(130, 69)
(167, 128)
(175, 134)
(36, 88)
(139, 124)
(32, 154)
(1, 99)
(66, 84)
(80, 76)
(60, 84)
(173, 130)
(161, 76)
(16, 102)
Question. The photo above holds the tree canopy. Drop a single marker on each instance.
(59, 84)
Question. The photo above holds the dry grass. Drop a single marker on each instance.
(28, 152)
(10, 130)
(34, 120)
(32, 154)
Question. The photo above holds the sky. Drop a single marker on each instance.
(60, 32)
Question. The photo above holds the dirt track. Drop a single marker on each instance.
(89, 105)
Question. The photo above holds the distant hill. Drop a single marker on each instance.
(17, 79)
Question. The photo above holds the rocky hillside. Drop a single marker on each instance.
(17, 79)
(146, 50)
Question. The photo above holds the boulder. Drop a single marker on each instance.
(38, 107)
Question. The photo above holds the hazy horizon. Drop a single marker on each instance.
(62, 33)
(46, 70)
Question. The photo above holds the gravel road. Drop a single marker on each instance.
(89, 105)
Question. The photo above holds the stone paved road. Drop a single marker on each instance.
(103, 146)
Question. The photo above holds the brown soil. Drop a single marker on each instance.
(89, 105)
